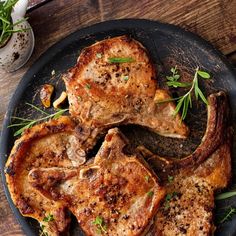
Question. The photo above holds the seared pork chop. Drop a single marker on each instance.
(189, 203)
(192, 181)
(215, 134)
(103, 94)
(117, 190)
(44, 145)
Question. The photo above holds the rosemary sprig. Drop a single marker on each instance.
(28, 123)
(120, 59)
(185, 101)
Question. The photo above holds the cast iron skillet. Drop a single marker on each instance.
(168, 46)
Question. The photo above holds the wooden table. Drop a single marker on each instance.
(214, 20)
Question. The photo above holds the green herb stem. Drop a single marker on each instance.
(28, 123)
(185, 101)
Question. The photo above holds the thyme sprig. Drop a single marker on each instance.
(185, 101)
(24, 124)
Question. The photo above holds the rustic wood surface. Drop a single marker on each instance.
(214, 20)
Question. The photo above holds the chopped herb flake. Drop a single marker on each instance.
(170, 179)
(126, 78)
(168, 197)
(88, 86)
(48, 218)
(150, 193)
(101, 226)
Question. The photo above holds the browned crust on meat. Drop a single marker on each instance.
(110, 100)
(215, 135)
(190, 211)
(113, 187)
(28, 201)
(63, 124)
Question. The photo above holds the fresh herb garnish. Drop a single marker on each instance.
(170, 178)
(99, 55)
(88, 86)
(147, 178)
(173, 79)
(28, 123)
(126, 78)
(48, 218)
(168, 197)
(227, 215)
(150, 193)
(120, 59)
(225, 195)
(6, 24)
(185, 101)
(101, 226)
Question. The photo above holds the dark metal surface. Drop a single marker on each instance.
(168, 46)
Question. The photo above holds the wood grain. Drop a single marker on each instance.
(214, 20)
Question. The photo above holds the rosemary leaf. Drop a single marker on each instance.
(28, 123)
(36, 108)
(120, 59)
(225, 195)
(21, 130)
(202, 95)
(203, 74)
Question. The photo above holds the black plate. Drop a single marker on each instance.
(169, 46)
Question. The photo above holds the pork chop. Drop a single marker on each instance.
(192, 181)
(115, 195)
(103, 94)
(217, 124)
(189, 203)
(44, 145)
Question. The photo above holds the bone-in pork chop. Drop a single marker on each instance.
(44, 145)
(192, 181)
(215, 134)
(189, 203)
(115, 195)
(103, 94)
